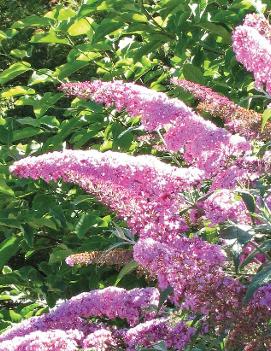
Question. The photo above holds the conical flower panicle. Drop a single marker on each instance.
(140, 189)
(203, 144)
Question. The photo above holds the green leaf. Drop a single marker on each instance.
(41, 76)
(240, 232)
(18, 90)
(128, 268)
(19, 53)
(48, 121)
(8, 248)
(40, 103)
(59, 254)
(42, 222)
(25, 133)
(68, 68)
(14, 316)
(3, 35)
(85, 223)
(9, 222)
(249, 201)
(50, 37)
(261, 278)
(80, 27)
(5, 189)
(28, 234)
(14, 71)
(265, 117)
(106, 27)
(164, 294)
(193, 73)
(88, 8)
(32, 21)
(217, 30)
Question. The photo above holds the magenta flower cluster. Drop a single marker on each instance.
(203, 144)
(195, 270)
(67, 328)
(151, 207)
(147, 334)
(252, 47)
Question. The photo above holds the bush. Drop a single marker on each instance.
(41, 224)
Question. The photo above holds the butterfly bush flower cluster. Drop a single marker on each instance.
(194, 270)
(251, 330)
(119, 181)
(147, 334)
(111, 303)
(100, 340)
(66, 327)
(252, 47)
(52, 340)
(117, 257)
(237, 119)
(204, 145)
(223, 205)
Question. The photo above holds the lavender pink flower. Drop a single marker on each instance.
(52, 340)
(194, 271)
(251, 330)
(203, 144)
(72, 314)
(100, 340)
(147, 334)
(252, 46)
(140, 189)
(260, 23)
(224, 205)
(237, 119)
(188, 268)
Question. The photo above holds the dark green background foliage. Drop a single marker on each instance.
(42, 45)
